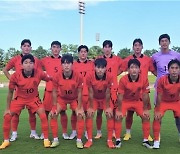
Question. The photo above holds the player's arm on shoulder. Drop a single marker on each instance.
(45, 76)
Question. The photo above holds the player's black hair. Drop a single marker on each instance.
(138, 40)
(56, 43)
(29, 56)
(135, 62)
(164, 36)
(100, 62)
(107, 42)
(25, 41)
(67, 58)
(173, 61)
(81, 47)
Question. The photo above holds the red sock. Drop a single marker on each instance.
(44, 125)
(54, 127)
(32, 120)
(89, 127)
(118, 128)
(73, 121)
(99, 122)
(110, 128)
(129, 119)
(156, 129)
(146, 129)
(64, 121)
(7, 126)
(15, 122)
(80, 128)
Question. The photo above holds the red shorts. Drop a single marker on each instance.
(63, 104)
(18, 104)
(174, 106)
(148, 105)
(48, 100)
(101, 104)
(136, 106)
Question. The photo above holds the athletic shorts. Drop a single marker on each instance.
(136, 106)
(173, 106)
(18, 104)
(63, 104)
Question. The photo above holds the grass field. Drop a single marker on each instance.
(169, 137)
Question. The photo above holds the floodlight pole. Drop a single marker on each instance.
(82, 12)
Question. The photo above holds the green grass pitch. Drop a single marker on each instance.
(169, 137)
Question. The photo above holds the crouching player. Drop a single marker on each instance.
(133, 94)
(27, 82)
(67, 90)
(99, 84)
(168, 98)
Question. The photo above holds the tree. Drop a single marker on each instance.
(150, 52)
(71, 49)
(40, 52)
(10, 54)
(125, 52)
(1, 59)
(176, 49)
(94, 51)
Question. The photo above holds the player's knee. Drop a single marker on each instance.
(40, 111)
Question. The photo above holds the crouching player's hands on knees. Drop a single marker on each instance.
(146, 114)
(109, 112)
(53, 111)
(118, 115)
(80, 112)
(90, 112)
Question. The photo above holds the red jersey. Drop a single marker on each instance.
(132, 91)
(113, 65)
(146, 64)
(27, 87)
(170, 91)
(68, 87)
(84, 68)
(99, 86)
(52, 66)
(15, 62)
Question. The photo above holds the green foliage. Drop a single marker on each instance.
(94, 51)
(125, 52)
(150, 52)
(40, 52)
(176, 49)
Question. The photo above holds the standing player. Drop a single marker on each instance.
(67, 90)
(146, 65)
(161, 60)
(84, 67)
(168, 97)
(133, 94)
(52, 65)
(26, 81)
(99, 84)
(113, 67)
(15, 63)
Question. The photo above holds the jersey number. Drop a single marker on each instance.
(29, 91)
(83, 73)
(55, 69)
(109, 70)
(68, 92)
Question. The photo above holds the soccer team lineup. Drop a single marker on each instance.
(91, 89)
